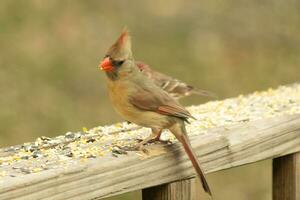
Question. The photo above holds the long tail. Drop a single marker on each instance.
(188, 149)
(201, 92)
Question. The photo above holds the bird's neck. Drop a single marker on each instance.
(112, 75)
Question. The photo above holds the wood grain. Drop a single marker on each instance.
(221, 148)
(186, 189)
(179, 190)
(286, 177)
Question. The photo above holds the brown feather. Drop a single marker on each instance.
(121, 49)
(159, 102)
(139, 100)
(174, 110)
(176, 88)
(191, 154)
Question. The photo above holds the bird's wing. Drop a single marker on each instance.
(176, 88)
(158, 101)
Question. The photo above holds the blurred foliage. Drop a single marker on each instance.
(50, 50)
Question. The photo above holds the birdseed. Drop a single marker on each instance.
(110, 141)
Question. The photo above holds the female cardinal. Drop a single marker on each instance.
(173, 86)
(137, 99)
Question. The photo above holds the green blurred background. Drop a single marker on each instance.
(50, 50)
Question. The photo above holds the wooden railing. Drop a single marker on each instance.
(94, 164)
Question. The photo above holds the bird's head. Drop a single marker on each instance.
(118, 55)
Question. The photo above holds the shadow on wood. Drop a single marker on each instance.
(286, 177)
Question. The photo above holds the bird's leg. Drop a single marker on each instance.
(155, 135)
(157, 138)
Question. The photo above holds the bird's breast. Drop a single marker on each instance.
(119, 95)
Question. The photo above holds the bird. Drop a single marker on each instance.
(176, 88)
(139, 100)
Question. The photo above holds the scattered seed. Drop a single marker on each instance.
(91, 140)
(115, 140)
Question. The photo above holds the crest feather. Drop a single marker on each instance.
(122, 47)
(123, 37)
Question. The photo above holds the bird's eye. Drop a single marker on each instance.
(117, 63)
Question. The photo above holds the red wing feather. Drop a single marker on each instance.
(174, 110)
(160, 102)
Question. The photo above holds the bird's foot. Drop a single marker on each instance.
(128, 148)
(137, 147)
(155, 140)
(141, 147)
(148, 142)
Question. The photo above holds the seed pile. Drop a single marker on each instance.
(111, 141)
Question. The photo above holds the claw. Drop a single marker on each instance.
(137, 147)
(143, 149)
(128, 148)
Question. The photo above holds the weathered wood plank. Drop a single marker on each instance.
(186, 189)
(286, 177)
(179, 190)
(221, 148)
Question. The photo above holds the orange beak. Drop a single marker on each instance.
(106, 65)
